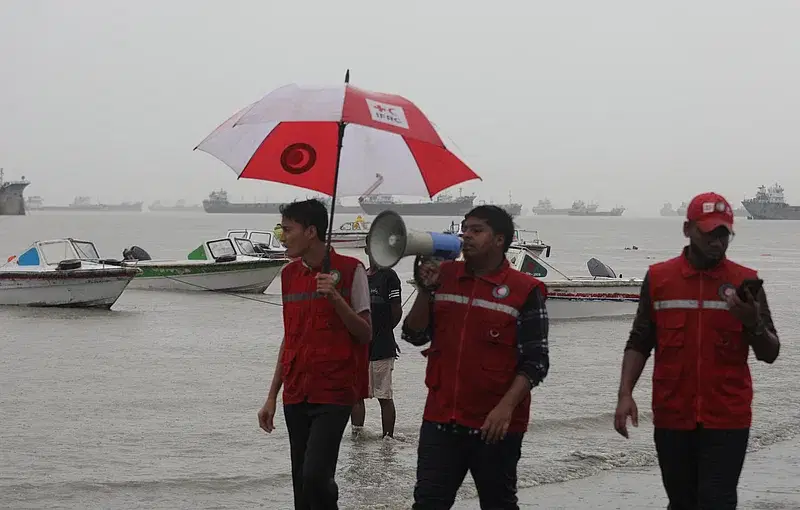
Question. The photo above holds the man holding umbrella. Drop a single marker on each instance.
(329, 139)
(326, 319)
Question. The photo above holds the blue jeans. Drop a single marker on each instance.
(446, 453)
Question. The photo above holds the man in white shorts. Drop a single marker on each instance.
(386, 312)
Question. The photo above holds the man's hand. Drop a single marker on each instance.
(746, 311)
(326, 285)
(495, 426)
(266, 416)
(626, 407)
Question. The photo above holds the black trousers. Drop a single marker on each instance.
(700, 468)
(315, 432)
(446, 453)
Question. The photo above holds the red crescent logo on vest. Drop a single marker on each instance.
(336, 276)
(500, 292)
(726, 289)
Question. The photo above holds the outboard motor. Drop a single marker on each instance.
(135, 253)
(600, 270)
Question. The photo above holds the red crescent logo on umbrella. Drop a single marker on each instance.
(298, 158)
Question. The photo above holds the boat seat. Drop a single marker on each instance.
(68, 264)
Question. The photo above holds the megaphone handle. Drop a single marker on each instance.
(418, 261)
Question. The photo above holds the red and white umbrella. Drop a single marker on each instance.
(338, 140)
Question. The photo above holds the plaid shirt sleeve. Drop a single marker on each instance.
(419, 338)
(642, 337)
(532, 329)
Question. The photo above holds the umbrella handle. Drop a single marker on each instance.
(326, 262)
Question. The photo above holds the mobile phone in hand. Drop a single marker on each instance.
(753, 284)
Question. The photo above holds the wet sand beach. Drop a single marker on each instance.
(153, 405)
(769, 482)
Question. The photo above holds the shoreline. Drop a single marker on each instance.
(769, 480)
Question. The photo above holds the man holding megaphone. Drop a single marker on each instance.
(487, 326)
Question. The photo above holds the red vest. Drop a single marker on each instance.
(473, 356)
(700, 371)
(319, 359)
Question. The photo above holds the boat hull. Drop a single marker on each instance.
(74, 288)
(236, 277)
(12, 202)
(512, 209)
(771, 211)
(353, 241)
(592, 299)
(421, 209)
(215, 207)
(135, 207)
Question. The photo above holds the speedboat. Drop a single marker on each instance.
(531, 242)
(600, 294)
(352, 234)
(217, 265)
(59, 273)
(265, 243)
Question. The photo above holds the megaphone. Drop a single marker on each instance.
(389, 241)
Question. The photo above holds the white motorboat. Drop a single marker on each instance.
(352, 234)
(58, 273)
(264, 242)
(531, 241)
(601, 294)
(217, 265)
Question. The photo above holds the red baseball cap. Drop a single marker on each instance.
(709, 211)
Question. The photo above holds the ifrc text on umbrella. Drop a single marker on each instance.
(387, 113)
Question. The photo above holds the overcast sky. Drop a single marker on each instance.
(620, 102)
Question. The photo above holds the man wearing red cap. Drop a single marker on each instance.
(701, 330)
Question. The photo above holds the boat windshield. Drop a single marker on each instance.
(86, 250)
(56, 251)
(265, 238)
(246, 246)
(221, 247)
(530, 266)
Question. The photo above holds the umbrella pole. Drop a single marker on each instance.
(326, 262)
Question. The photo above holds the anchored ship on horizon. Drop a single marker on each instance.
(83, 203)
(769, 204)
(12, 200)
(578, 208)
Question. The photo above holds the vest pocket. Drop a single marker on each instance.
(670, 335)
(498, 359)
(669, 358)
(730, 348)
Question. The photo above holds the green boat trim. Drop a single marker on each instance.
(180, 268)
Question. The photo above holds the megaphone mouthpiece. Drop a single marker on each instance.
(389, 241)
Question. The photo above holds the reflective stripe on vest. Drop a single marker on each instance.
(309, 296)
(689, 304)
(481, 303)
